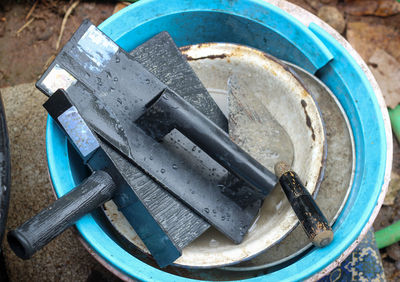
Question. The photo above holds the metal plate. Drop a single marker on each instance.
(337, 182)
(277, 218)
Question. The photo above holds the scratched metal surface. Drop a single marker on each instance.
(266, 80)
(337, 181)
(211, 246)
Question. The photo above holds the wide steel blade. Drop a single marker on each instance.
(121, 89)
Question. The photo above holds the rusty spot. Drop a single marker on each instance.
(185, 55)
(305, 92)
(184, 48)
(308, 119)
(211, 57)
(321, 169)
(275, 60)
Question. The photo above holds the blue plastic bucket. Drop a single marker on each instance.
(260, 25)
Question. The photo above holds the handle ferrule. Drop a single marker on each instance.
(311, 217)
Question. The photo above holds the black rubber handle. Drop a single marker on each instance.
(64, 212)
(312, 219)
(169, 111)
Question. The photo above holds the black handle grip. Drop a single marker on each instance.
(312, 219)
(38, 231)
(169, 111)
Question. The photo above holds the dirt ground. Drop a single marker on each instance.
(28, 43)
(24, 54)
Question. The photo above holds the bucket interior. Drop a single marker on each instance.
(259, 25)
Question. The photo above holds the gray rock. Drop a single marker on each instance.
(393, 251)
(332, 16)
(331, 2)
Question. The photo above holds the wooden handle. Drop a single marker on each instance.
(312, 219)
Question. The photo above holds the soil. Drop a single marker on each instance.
(25, 53)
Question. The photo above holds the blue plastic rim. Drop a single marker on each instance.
(260, 25)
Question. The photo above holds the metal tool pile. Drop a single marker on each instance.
(156, 144)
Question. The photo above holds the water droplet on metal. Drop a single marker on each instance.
(147, 80)
(162, 170)
(115, 79)
(117, 60)
(207, 210)
(174, 166)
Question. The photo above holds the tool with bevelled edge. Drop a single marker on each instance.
(247, 113)
(163, 207)
(121, 88)
(179, 223)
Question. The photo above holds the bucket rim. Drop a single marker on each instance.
(91, 231)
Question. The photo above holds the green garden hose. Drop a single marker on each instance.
(390, 234)
(395, 120)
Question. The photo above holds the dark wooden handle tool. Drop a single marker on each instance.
(312, 219)
(52, 221)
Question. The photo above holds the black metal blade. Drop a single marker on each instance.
(125, 87)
